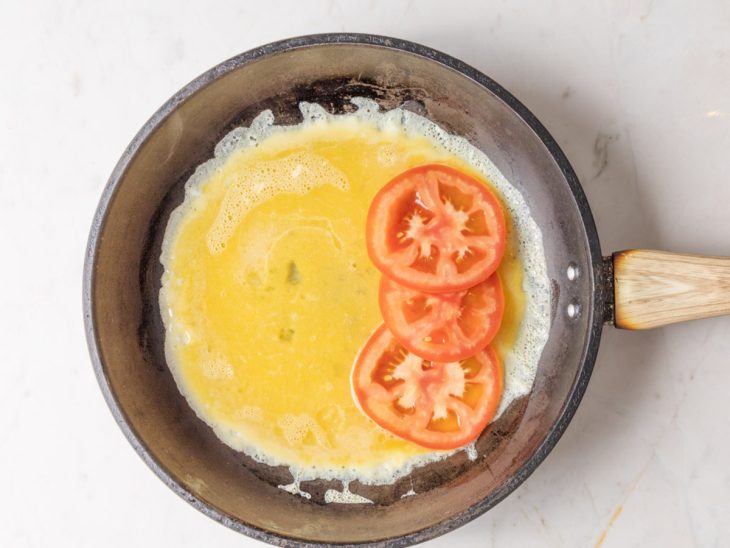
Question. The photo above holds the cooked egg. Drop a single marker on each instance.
(268, 292)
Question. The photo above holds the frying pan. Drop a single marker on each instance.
(633, 289)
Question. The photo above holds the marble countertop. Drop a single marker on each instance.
(636, 92)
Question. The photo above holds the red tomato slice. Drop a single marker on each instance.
(436, 229)
(439, 405)
(443, 326)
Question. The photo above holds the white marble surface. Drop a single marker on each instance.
(636, 92)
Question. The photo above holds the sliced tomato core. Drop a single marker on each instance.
(443, 326)
(436, 229)
(440, 405)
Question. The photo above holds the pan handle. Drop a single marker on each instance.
(655, 288)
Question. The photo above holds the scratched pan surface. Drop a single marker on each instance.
(122, 278)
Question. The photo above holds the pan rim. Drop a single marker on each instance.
(594, 310)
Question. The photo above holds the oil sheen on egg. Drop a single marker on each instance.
(268, 292)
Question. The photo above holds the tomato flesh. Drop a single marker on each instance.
(443, 326)
(436, 229)
(438, 405)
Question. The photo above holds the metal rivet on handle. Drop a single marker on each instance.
(573, 272)
(573, 309)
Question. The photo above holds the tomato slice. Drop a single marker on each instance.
(443, 326)
(439, 405)
(436, 229)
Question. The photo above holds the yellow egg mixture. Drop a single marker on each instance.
(268, 293)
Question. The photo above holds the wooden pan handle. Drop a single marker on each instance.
(654, 288)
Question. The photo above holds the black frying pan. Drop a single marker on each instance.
(122, 279)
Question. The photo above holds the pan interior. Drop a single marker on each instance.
(128, 333)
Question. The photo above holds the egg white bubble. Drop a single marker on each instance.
(306, 171)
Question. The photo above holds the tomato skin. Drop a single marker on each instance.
(403, 393)
(436, 229)
(443, 327)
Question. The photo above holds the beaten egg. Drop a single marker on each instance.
(268, 292)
